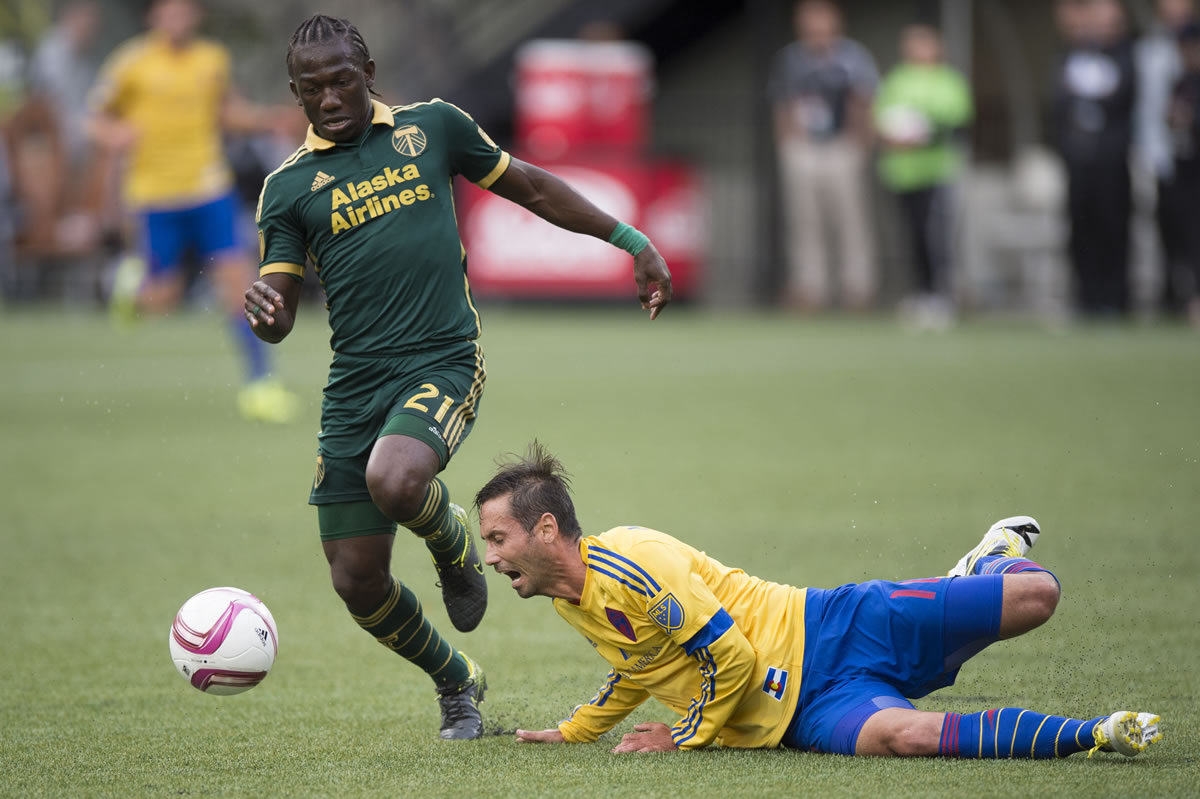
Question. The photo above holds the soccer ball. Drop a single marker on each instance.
(224, 641)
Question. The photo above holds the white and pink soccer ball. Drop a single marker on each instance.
(224, 641)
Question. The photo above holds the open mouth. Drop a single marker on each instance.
(335, 124)
(515, 576)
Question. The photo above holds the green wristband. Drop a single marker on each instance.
(628, 238)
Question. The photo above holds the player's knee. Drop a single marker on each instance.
(912, 739)
(399, 491)
(1043, 597)
(361, 587)
(900, 732)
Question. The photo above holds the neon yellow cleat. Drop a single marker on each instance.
(1126, 732)
(267, 400)
(127, 283)
(1012, 537)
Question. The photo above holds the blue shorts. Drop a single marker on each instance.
(874, 645)
(207, 230)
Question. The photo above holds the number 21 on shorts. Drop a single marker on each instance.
(430, 392)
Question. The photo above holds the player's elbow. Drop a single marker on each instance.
(536, 203)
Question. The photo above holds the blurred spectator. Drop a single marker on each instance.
(8, 214)
(1093, 122)
(922, 103)
(62, 70)
(20, 21)
(1185, 129)
(10, 67)
(821, 87)
(1158, 66)
(59, 76)
(161, 103)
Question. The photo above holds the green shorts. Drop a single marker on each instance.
(432, 396)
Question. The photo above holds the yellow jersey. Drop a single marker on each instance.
(174, 99)
(719, 647)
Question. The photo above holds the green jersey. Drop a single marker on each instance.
(936, 99)
(376, 218)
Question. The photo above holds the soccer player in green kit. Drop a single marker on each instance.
(368, 200)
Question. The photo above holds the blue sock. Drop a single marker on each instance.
(1002, 564)
(252, 347)
(1012, 732)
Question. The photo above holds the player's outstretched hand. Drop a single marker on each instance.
(540, 737)
(651, 736)
(650, 270)
(262, 303)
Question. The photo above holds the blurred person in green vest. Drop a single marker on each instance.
(921, 105)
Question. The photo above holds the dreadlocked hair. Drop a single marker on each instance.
(320, 28)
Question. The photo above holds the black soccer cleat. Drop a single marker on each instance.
(464, 588)
(461, 719)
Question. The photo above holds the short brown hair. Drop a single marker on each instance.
(535, 484)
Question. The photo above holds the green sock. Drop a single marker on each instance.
(444, 535)
(400, 625)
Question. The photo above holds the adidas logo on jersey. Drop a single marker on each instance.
(321, 180)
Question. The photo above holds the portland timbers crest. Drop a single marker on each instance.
(668, 613)
(409, 140)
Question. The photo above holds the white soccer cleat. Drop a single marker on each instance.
(1012, 538)
(1126, 732)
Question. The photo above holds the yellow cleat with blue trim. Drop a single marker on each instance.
(1011, 538)
(1126, 732)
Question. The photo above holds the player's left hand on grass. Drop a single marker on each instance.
(540, 737)
(651, 736)
(650, 271)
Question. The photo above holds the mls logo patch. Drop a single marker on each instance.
(775, 683)
(621, 622)
(409, 140)
(668, 613)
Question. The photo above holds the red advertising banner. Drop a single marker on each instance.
(512, 253)
(575, 97)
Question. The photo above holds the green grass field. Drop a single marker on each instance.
(813, 453)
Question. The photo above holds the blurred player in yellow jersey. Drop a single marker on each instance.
(160, 105)
(752, 664)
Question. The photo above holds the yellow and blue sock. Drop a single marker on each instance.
(1013, 732)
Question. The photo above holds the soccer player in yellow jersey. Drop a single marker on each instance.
(754, 664)
(160, 104)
